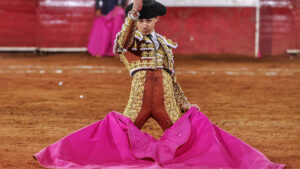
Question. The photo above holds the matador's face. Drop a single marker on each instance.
(146, 26)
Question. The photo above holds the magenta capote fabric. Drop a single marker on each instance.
(103, 33)
(115, 142)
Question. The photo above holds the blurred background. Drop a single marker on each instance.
(243, 27)
(237, 59)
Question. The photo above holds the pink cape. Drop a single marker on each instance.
(103, 34)
(115, 142)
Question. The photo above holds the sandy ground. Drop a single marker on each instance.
(256, 100)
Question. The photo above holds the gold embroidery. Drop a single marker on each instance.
(167, 53)
(160, 51)
(147, 46)
(169, 99)
(162, 56)
(147, 53)
(134, 45)
(179, 94)
(126, 37)
(125, 61)
(173, 94)
(171, 43)
(149, 64)
(135, 101)
(150, 59)
(139, 35)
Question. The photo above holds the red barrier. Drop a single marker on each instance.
(279, 26)
(210, 30)
(64, 26)
(18, 23)
(67, 23)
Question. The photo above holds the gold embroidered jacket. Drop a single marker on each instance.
(138, 52)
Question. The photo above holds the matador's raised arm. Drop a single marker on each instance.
(125, 37)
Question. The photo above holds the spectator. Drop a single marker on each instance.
(105, 6)
(107, 23)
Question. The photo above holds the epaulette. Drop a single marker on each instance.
(168, 42)
(172, 44)
(138, 35)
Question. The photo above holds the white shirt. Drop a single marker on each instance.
(155, 40)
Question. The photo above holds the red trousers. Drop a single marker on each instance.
(153, 101)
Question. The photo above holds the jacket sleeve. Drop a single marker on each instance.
(179, 94)
(125, 37)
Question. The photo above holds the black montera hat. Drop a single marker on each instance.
(150, 9)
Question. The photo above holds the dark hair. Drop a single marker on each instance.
(123, 3)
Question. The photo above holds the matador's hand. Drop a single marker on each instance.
(137, 5)
(185, 107)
